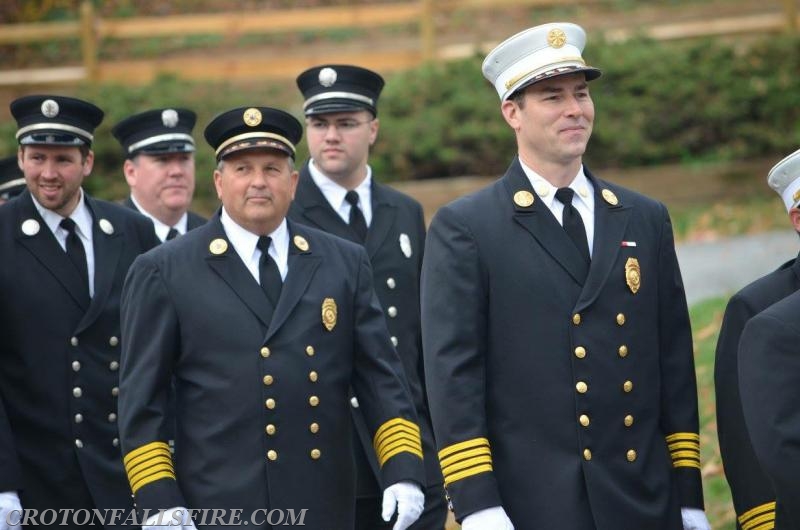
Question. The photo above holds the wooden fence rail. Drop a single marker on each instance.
(91, 31)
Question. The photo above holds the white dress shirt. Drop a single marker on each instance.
(244, 243)
(335, 193)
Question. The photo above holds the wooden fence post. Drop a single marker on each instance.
(790, 8)
(428, 30)
(89, 40)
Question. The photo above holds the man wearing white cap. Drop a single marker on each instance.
(769, 371)
(751, 489)
(556, 336)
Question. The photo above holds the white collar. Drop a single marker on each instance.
(162, 229)
(547, 192)
(244, 241)
(81, 215)
(335, 192)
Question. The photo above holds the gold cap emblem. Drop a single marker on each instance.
(609, 197)
(633, 275)
(329, 312)
(301, 243)
(218, 246)
(523, 198)
(252, 117)
(556, 38)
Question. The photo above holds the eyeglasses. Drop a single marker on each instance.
(342, 126)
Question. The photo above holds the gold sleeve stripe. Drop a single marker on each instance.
(152, 478)
(148, 463)
(683, 437)
(450, 460)
(461, 446)
(391, 424)
(397, 436)
(686, 462)
(761, 517)
(144, 449)
(464, 464)
(392, 436)
(684, 445)
(455, 477)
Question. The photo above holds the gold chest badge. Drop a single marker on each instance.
(329, 313)
(633, 275)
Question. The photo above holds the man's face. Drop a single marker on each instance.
(555, 120)
(162, 184)
(54, 175)
(256, 186)
(339, 143)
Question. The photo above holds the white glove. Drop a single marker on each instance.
(409, 500)
(694, 519)
(494, 518)
(10, 511)
(177, 518)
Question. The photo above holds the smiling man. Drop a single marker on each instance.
(159, 168)
(65, 257)
(557, 344)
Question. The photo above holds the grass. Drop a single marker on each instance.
(706, 318)
(731, 217)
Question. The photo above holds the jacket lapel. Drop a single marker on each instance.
(42, 244)
(384, 212)
(302, 266)
(107, 250)
(539, 221)
(233, 272)
(317, 211)
(610, 222)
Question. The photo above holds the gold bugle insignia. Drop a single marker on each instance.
(609, 197)
(218, 246)
(300, 242)
(633, 275)
(523, 198)
(556, 38)
(329, 312)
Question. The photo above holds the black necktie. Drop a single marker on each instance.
(573, 224)
(172, 234)
(271, 282)
(76, 253)
(357, 221)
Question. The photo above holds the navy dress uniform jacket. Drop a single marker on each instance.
(262, 399)
(571, 403)
(59, 359)
(751, 489)
(395, 218)
(769, 379)
(193, 220)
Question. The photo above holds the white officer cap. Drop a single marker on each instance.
(784, 178)
(535, 54)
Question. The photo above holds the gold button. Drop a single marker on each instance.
(581, 387)
(268, 379)
(623, 351)
(265, 352)
(627, 386)
(587, 454)
(628, 420)
(313, 401)
(631, 455)
(576, 318)
(272, 455)
(580, 352)
(314, 428)
(620, 319)
(113, 341)
(309, 350)
(315, 454)
(270, 429)
(584, 419)
(312, 376)
(270, 403)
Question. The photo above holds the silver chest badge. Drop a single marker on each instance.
(106, 226)
(405, 245)
(30, 227)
